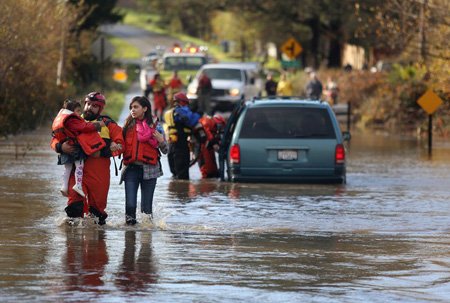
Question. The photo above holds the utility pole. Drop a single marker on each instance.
(62, 55)
(422, 33)
(60, 72)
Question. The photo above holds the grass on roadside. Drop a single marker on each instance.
(123, 49)
(115, 100)
(148, 22)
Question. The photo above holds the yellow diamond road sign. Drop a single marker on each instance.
(291, 48)
(429, 101)
(120, 75)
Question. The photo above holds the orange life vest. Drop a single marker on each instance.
(90, 142)
(138, 151)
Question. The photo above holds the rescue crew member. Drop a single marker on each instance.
(96, 177)
(180, 122)
(69, 126)
(159, 95)
(175, 86)
(213, 127)
(141, 158)
(204, 91)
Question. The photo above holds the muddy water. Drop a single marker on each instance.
(383, 237)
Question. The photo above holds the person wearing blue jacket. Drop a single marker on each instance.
(180, 123)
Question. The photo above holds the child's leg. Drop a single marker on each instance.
(78, 187)
(79, 166)
(66, 176)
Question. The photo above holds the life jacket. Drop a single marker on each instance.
(171, 128)
(90, 142)
(138, 151)
(105, 135)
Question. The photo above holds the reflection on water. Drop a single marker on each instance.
(382, 237)
(292, 262)
(137, 270)
(85, 259)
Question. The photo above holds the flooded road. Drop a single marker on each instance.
(383, 237)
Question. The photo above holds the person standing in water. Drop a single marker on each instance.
(143, 147)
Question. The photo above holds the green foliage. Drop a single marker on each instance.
(115, 100)
(406, 73)
(28, 61)
(144, 20)
(93, 13)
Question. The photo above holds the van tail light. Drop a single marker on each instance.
(340, 154)
(235, 154)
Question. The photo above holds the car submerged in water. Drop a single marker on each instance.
(284, 140)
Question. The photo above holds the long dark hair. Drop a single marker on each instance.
(144, 102)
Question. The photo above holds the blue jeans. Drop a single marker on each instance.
(134, 178)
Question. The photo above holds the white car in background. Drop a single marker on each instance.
(231, 83)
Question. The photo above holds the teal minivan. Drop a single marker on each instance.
(283, 140)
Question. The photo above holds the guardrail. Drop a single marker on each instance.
(343, 112)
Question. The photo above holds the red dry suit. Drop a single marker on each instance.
(159, 95)
(207, 157)
(96, 174)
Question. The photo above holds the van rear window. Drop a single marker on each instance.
(287, 122)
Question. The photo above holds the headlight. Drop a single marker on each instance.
(234, 92)
(192, 90)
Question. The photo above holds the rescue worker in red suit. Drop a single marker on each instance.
(213, 127)
(96, 178)
(175, 86)
(159, 95)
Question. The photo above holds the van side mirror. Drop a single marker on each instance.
(346, 136)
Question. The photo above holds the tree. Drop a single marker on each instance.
(30, 49)
(29, 52)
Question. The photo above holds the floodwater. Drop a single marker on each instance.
(383, 237)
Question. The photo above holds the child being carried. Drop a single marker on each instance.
(71, 127)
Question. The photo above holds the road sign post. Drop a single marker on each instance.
(430, 103)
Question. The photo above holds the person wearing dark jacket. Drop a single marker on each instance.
(271, 86)
(180, 124)
(314, 88)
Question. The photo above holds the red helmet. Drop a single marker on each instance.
(181, 98)
(219, 119)
(96, 98)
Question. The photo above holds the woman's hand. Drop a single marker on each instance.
(159, 137)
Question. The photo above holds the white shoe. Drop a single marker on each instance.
(79, 189)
